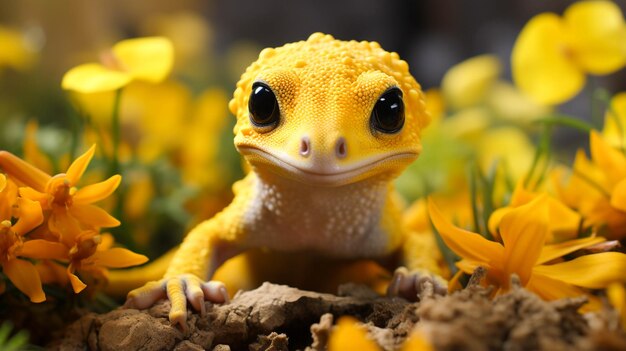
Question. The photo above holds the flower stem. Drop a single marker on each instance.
(115, 129)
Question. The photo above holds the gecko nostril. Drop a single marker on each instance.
(341, 148)
(305, 147)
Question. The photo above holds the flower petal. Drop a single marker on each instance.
(94, 216)
(94, 78)
(618, 196)
(416, 342)
(595, 271)
(564, 222)
(347, 335)
(495, 219)
(25, 277)
(52, 272)
(29, 216)
(8, 197)
(44, 249)
(524, 231)
(118, 257)
(539, 62)
(466, 244)
(467, 83)
(77, 284)
(64, 225)
(551, 289)
(614, 131)
(22, 172)
(468, 266)
(106, 242)
(607, 158)
(551, 252)
(32, 194)
(96, 192)
(149, 59)
(78, 167)
(598, 35)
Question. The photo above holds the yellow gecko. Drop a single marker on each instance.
(326, 126)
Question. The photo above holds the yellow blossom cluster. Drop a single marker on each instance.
(554, 53)
(560, 227)
(51, 221)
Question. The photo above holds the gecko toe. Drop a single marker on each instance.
(215, 291)
(145, 296)
(415, 285)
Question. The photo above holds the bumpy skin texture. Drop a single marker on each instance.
(321, 177)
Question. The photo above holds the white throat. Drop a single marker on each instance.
(343, 221)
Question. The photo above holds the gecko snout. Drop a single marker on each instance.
(340, 148)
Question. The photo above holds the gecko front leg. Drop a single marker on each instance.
(204, 249)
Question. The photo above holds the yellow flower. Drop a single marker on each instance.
(509, 147)
(510, 104)
(614, 131)
(70, 209)
(564, 222)
(347, 335)
(597, 188)
(416, 342)
(72, 219)
(93, 253)
(467, 83)
(149, 59)
(12, 246)
(200, 153)
(153, 117)
(16, 51)
(552, 54)
(523, 252)
(190, 33)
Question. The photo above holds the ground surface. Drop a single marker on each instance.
(276, 317)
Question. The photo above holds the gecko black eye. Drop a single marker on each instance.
(263, 106)
(388, 113)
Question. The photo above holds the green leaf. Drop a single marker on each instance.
(12, 343)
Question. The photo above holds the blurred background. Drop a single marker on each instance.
(432, 35)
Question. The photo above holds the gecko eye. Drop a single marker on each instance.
(263, 106)
(388, 113)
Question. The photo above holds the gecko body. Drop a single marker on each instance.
(326, 125)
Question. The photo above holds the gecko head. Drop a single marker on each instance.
(328, 112)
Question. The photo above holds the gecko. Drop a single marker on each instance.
(326, 126)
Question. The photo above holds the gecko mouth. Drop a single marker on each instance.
(321, 173)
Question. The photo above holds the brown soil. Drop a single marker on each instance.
(276, 317)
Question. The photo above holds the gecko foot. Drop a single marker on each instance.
(416, 285)
(178, 290)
